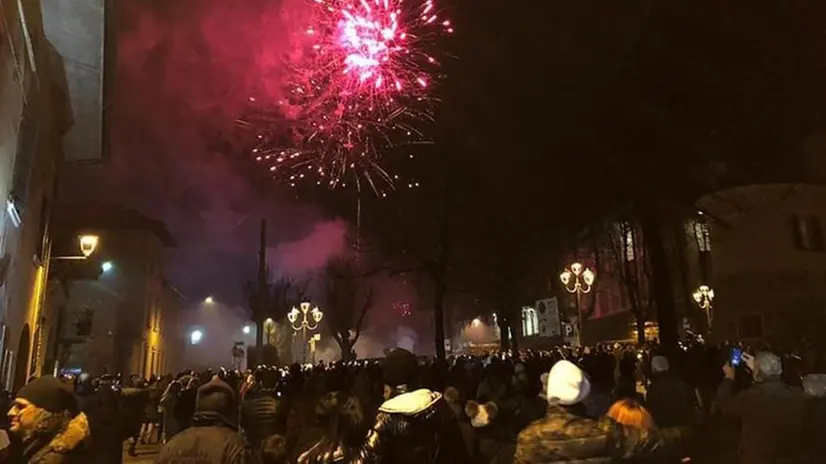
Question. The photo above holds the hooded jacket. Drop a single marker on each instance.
(212, 438)
(416, 427)
(66, 444)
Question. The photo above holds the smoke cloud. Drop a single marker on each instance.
(311, 253)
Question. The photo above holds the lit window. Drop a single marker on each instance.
(702, 236)
(530, 322)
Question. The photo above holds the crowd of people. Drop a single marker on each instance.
(609, 403)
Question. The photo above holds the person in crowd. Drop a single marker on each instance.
(567, 434)
(134, 398)
(213, 436)
(771, 413)
(631, 413)
(167, 404)
(46, 425)
(345, 430)
(413, 425)
(815, 387)
(671, 401)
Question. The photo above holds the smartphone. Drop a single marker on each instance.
(736, 356)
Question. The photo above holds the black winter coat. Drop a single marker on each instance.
(417, 427)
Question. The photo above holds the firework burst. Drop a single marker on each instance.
(361, 89)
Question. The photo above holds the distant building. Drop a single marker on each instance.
(769, 261)
(35, 114)
(126, 320)
(615, 250)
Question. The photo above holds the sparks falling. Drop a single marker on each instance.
(362, 88)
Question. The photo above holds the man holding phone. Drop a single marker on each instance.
(771, 412)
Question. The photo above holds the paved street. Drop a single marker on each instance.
(146, 454)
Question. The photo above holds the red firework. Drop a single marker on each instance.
(361, 88)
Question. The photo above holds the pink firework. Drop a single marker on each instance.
(361, 89)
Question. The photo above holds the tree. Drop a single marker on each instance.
(626, 256)
(348, 297)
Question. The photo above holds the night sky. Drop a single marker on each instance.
(184, 70)
(575, 101)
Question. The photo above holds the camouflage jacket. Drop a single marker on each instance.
(562, 436)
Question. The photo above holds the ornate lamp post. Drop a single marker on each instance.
(704, 297)
(306, 323)
(578, 280)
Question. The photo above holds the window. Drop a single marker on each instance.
(751, 326)
(807, 232)
(701, 236)
(530, 323)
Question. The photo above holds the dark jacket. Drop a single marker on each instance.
(565, 436)
(67, 444)
(772, 415)
(206, 442)
(262, 416)
(416, 427)
(670, 401)
(212, 437)
(815, 425)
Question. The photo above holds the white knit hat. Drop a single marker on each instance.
(567, 384)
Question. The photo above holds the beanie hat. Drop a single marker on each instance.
(217, 398)
(567, 384)
(659, 364)
(400, 367)
(49, 393)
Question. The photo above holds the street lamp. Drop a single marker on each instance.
(704, 297)
(305, 323)
(106, 266)
(196, 336)
(209, 300)
(246, 330)
(87, 243)
(578, 280)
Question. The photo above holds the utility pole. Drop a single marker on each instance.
(261, 292)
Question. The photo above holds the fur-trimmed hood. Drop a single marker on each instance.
(68, 441)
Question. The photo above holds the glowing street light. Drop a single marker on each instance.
(88, 244)
(476, 322)
(196, 336)
(209, 300)
(305, 323)
(578, 280)
(704, 297)
(246, 330)
(106, 266)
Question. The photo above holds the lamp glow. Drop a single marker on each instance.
(88, 244)
(196, 336)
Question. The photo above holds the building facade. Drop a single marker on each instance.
(769, 262)
(35, 114)
(126, 320)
